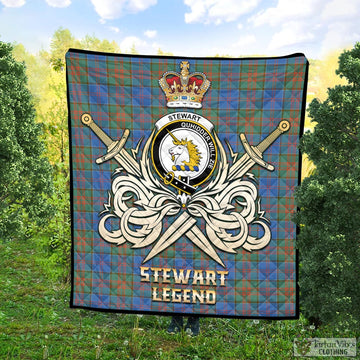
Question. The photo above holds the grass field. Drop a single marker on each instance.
(37, 323)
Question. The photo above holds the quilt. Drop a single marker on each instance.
(182, 179)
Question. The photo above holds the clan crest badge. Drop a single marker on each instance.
(184, 151)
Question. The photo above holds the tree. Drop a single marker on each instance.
(323, 74)
(37, 73)
(25, 174)
(164, 53)
(95, 44)
(61, 42)
(46, 72)
(329, 202)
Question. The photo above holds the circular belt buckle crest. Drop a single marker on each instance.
(183, 150)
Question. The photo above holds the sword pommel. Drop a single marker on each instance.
(86, 119)
(284, 126)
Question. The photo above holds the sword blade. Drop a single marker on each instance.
(199, 239)
(127, 162)
(241, 167)
(178, 228)
(184, 225)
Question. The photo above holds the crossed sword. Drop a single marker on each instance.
(185, 224)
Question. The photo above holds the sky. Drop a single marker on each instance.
(189, 27)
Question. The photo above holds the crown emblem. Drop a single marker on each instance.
(184, 89)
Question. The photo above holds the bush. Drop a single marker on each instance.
(25, 174)
(329, 202)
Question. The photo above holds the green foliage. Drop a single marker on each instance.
(63, 40)
(46, 72)
(37, 323)
(37, 73)
(25, 174)
(95, 44)
(329, 202)
(55, 240)
(35, 319)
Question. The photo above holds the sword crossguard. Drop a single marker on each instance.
(255, 152)
(114, 148)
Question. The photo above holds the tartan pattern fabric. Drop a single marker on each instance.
(246, 95)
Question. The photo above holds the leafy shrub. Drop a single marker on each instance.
(56, 239)
(329, 202)
(25, 174)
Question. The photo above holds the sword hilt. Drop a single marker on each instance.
(87, 120)
(284, 125)
(255, 152)
(114, 147)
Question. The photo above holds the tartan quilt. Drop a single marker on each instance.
(182, 179)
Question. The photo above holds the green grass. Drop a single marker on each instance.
(37, 323)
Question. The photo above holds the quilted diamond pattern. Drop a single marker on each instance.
(247, 95)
